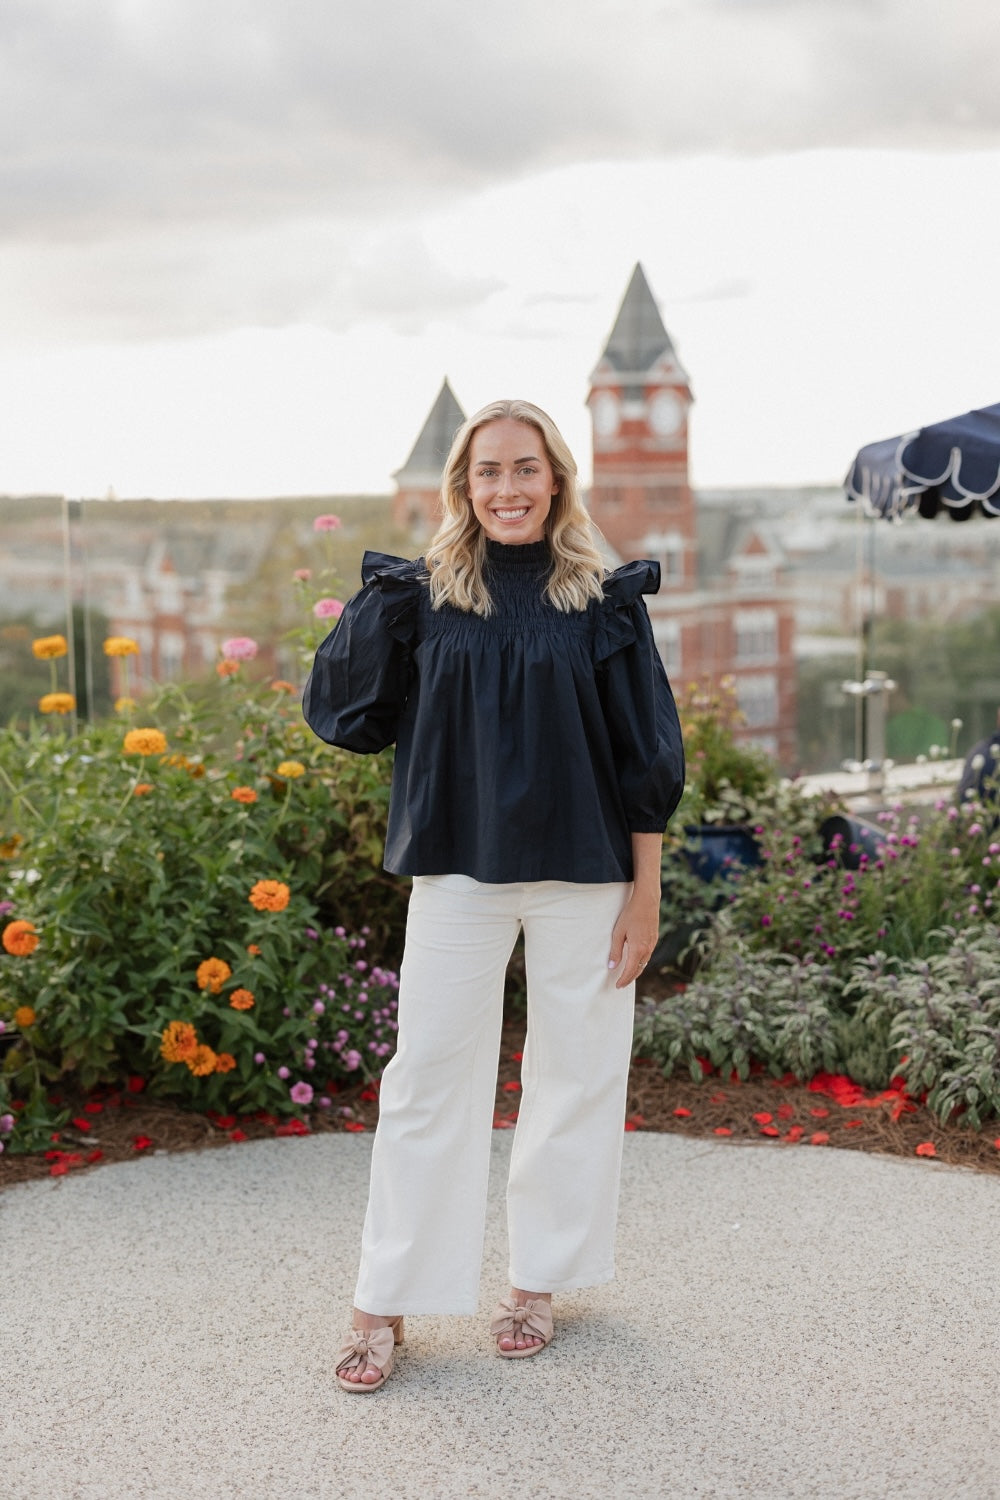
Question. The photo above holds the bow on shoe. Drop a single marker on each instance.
(533, 1319)
(373, 1346)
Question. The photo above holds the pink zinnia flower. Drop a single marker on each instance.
(240, 648)
(328, 609)
(302, 575)
(301, 1093)
(327, 523)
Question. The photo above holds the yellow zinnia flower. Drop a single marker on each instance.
(48, 647)
(9, 847)
(179, 1042)
(121, 645)
(144, 742)
(291, 769)
(57, 703)
(125, 705)
(212, 974)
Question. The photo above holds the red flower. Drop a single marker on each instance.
(223, 1122)
(852, 1124)
(630, 1125)
(771, 1130)
(369, 1094)
(81, 1123)
(682, 1114)
(512, 1087)
(294, 1127)
(58, 1169)
(927, 1148)
(136, 1084)
(237, 1135)
(516, 1056)
(795, 1134)
(784, 1111)
(763, 1118)
(818, 1138)
(722, 1130)
(95, 1155)
(93, 1108)
(142, 1142)
(820, 1112)
(353, 1125)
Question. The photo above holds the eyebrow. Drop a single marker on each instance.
(530, 458)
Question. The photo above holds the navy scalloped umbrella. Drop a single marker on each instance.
(952, 466)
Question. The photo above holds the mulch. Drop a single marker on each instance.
(119, 1125)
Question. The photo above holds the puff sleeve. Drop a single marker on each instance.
(360, 677)
(638, 704)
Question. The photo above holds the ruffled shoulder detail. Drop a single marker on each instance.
(623, 589)
(398, 582)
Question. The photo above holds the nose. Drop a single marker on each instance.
(507, 484)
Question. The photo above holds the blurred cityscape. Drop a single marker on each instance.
(785, 593)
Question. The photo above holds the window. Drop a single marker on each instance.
(756, 632)
(667, 635)
(758, 699)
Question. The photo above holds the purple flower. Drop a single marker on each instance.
(258, 1058)
(301, 1093)
(352, 1059)
(319, 1007)
(6, 907)
(324, 1102)
(766, 920)
(239, 648)
(6, 1124)
(283, 1072)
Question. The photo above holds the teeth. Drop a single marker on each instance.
(511, 515)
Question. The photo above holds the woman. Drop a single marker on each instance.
(538, 758)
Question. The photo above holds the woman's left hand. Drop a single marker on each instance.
(634, 937)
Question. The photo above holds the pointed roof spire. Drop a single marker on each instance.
(426, 460)
(638, 338)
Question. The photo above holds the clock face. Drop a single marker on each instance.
(606, 414)
(666, 413)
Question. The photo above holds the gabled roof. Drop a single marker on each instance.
(426, 460)
(638, 338)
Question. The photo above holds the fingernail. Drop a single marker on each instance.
(612, 964)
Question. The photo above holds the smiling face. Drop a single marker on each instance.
(510, 483)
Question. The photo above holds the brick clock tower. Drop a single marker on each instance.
(639, 400)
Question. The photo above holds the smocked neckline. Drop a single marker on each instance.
(509, 557)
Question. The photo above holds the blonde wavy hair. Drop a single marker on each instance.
(457, 552)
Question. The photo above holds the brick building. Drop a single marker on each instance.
(725, 607)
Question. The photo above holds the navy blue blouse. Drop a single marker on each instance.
(530, 745)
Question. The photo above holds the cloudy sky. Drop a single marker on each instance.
(242, 242)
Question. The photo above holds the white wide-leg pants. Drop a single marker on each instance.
(422, 1244)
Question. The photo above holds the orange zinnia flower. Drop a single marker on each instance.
(226, 667)
(202, 1061)
(179, 1042)
(56, 703)
(225, 1062)
(20, 938)
(270, 895)
(121, 645)
(279, 685)
(144, 742)
(141, 788)
(48, 647)
(243, 794)
(212, 974)
(241, 999)
(9, 847)
(24, 1016)
(253, 949)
